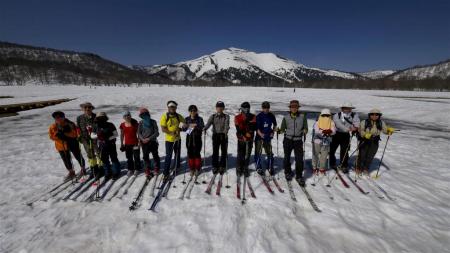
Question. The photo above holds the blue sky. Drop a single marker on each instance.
(340, 34)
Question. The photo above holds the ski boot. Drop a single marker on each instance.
(70, 175)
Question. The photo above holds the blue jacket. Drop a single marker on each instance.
(265, 122)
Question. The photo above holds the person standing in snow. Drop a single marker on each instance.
(347, 124)
(245, 123)
(171, 123)
(64, 133)
(370, 131)
(106, 134)
(148, 133)
(85, 123)
(324, 129)
(295, 127)
(129, 143)
(266, 124)
(220, 123)
(194, 129)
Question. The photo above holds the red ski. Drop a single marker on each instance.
(213, 179)
(277, 185)
(252, 192)
(266, 183)
(219, 186)
(238, 186)
(342, 179)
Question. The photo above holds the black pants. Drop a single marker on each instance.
(267, 146)
(73, 148)
(194, 146)
(297, 146)
(220, 142)
(133, 157)
(367, 152)
(108, 152)
(151, 147)
(172, 147)
(340, 140)
(244, 151)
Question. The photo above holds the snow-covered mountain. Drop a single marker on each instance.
(241, 66)
(440, 70)
(20, 64)
(377, 74)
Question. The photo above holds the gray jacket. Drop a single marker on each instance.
(294, 126)
(343, 122)
(220, 123)
(152, 133)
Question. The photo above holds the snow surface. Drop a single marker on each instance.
(418, 178)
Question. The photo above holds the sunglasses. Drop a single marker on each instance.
(89, 107)
(374, 114)
(193, 110)
(326, 115)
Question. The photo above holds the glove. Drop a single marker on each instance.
(367, 136)
(89, 129)
(390, 130)
(248, 135)
(327, 132)
(122, 148)
(61, 136)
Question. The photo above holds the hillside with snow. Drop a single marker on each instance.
(440, 71)
(241, 66)
(377, 74)
(406, 210)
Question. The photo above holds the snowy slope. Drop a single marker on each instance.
(440, 70)
(251, 64)
(377, 74)
(415, 173)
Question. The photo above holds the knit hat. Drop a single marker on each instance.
(245, 105)
(192, 108)
(347, 105)
(58, 114)
(126, 113)
(143, 110)
(220, 104)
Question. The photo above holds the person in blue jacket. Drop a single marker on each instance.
(266, 124)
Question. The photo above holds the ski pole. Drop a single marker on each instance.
(346, 152)
(382, 156)
(176, 161)
(226, 169)
(278, 156)
(204, 158)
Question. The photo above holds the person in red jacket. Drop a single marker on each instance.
(129, 143)
(245, 123)
(64, 133)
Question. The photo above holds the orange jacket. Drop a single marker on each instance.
(70, 132)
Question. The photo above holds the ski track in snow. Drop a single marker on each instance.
(418, 178)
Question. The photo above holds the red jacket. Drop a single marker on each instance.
(245, 126)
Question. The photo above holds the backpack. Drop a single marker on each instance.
(176, 114)
(378, 123)
(351, 115)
